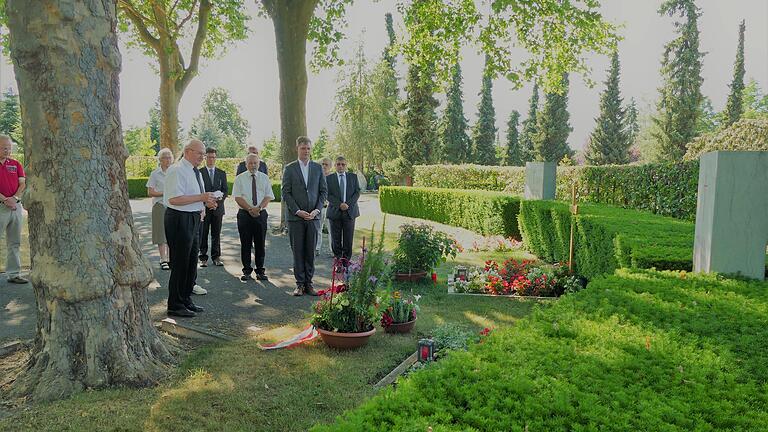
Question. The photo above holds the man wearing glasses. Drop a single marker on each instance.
(343, 193)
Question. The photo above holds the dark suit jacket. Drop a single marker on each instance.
(299, 196)
(241, 168)
(219, 182)
(334, 196)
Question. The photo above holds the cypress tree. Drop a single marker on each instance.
(680, 102)
(529, 127)
(389, 58)
(484, 132)
(632, 124)
(609, 142)
(552, 128)
(514, 154)
(415, 135)
(455, 139)
(735, 106)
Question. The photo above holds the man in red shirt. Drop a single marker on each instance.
(12, 184)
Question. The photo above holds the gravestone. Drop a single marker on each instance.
(732, 213)
(540, 180)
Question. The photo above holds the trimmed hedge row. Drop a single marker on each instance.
(142, 166)
(137, 188)
(665, 189)
(606, 238)
(484, 212)
(636, 351)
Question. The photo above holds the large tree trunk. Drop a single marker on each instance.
(169, 113)
(291, 20)
(89, 276)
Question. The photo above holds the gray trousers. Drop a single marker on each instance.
(10, 223)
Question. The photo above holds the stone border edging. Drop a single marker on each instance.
(12, 347)
(396, 372)
(505, 296)
(176, 328)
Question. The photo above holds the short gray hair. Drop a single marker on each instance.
(164, 152)
(251, 156)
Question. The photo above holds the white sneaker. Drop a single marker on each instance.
(197, 289)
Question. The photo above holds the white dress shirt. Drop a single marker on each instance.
(181, 180)
(242, 187)
(157, 182)
(343, 189)
(304, 172)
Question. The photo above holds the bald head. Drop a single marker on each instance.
(6, 145)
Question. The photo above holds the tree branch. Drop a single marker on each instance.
(197, 46)
(186, 18)
(139, 21)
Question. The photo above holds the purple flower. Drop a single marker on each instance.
(373, 279)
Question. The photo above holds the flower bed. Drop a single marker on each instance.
(517, 278)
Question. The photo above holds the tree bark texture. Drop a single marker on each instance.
(291, 20)
(89, 275)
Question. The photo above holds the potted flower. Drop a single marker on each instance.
(399, 314)
(420, 249)
(345, 315)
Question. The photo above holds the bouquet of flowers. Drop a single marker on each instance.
(398, 309)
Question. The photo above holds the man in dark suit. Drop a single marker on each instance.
(343, 193)
(241, 168)
(304, 192)
(214, 179)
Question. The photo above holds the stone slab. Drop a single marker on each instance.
(540, 180)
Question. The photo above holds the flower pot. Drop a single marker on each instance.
(345, 340)
(410, 277)
(404, 327)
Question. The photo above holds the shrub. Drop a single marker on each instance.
(137, 188)
(639, 350)
(606, 237)
(142, 166)
(484, 212)
(744, 135)
(421, 248)
(666, 189)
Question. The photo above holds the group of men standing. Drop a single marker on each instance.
(194, 200)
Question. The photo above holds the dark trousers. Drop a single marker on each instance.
(253, 233)
(303, 237)
(211, 222)
(182, 231)
(342, 235)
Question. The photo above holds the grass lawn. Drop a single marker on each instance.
(235, 386)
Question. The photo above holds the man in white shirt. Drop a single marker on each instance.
(185, 199)
(252, 191)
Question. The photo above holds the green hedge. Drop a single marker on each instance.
(606, 238)
(636, 351)
(137, 188)
(665, 189)
(484, 212)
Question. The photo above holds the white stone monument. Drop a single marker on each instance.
(732, 213)
(540, 180)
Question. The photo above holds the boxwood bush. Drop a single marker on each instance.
(636, 351)
(666, 189)
(142, 166)
(606, 237)
(137, 188)
(484, 212)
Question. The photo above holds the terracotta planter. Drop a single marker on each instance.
(345, 340)
(405, 327)
(410, 277)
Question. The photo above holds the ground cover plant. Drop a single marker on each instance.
(638, 350)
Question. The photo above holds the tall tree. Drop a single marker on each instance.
(552, 128)
(632, 121)
(755, 102)
(159, 28)
(735, 106)
(206, 129)
(88, 273)
(610, 141)
(527, 151)
(680, 101)
(321, 148)
(415, 134)
(455, 146)
(514, 153)
(10, 119)
(484, 132)
(226, 113)
(385, 102)
(390, 57)
(154, 125)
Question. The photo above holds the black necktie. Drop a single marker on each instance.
(199, 183)
(253, 188)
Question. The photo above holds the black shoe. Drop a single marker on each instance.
(217, 262)
(261, 276)
(195, 308)
(245, 278)
(203, 263)
(181, 312)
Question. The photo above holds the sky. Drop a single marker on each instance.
(248, 69)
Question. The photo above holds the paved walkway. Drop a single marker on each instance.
(231, 306)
